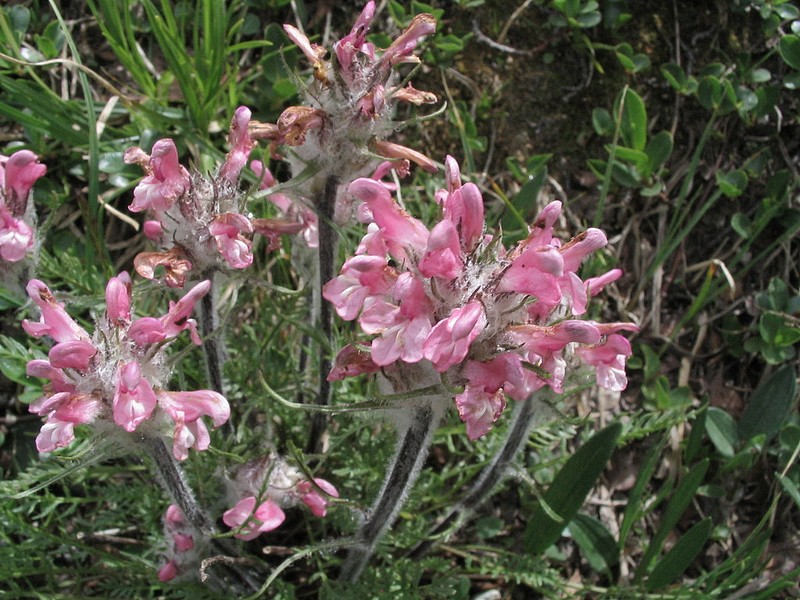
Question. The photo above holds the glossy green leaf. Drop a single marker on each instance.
(633, 123)
(722, 432)
(569, 489)
(678, 559)
(769, 405)
(733, 183)
(789, 48)
(674, 510)
(595, 541)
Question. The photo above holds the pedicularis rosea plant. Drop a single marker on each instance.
(448, 316)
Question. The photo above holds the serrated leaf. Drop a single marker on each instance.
(722, 432)
(678, 559)
(569, 489)
(595, 541)
(769, 405)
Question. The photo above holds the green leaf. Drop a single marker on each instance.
(602, 122)
(678, 559)
(633, 123)
(658, 150)
(635, 506)
(787, 11)
(569, 489)
(595, 541)
(721, 429)
(789, 48)
(790, 487)
(675, 76)
(769, 405)
(672, 513)
(710, 92)
(733, 183)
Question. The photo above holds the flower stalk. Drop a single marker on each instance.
(414, 440)
(524, 415)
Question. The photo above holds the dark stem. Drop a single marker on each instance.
(212, 343)
(524, 415)
(229, 575)
(412, 449)
(176, 485)
(327, 259)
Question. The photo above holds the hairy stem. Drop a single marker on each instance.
(230, 575)
(412, 449)
(525, 414)
(213, 345)
(327, 260)
(177, 487)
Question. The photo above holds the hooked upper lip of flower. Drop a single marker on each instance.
(80, 389)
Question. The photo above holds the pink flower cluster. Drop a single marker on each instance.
(266, 486)
(341, 129)
(492, 321)
(198, 221)
(18, 173)
(182, 550)
(118, 375)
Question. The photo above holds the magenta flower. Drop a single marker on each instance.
(495, 322)
(118, 374)
(197, 221)
(18, 173)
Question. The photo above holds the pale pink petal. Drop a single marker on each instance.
(118, 299)
(479, 409)
(74, 354)
(193, 405)
(19, 172)
(450, 339)
(241, 145)
(147, 330)
(168, 572)
(55, 321)
(167, 182)
(134, 399)
(53, 435)
(442, 256)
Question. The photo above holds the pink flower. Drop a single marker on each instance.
(186, 410)
(352, 361)
(118, 299)
(16, 237)
(401, 49)
(241, 146)
(250, 523)
(118, 374)
(442, 256)
(18, 173)
(134, 399)
(450, 339)
(313, 499)
(227, 230)
(479, 409)
(168, 571)
(166, 180)
(609, 358)
(55, 321)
